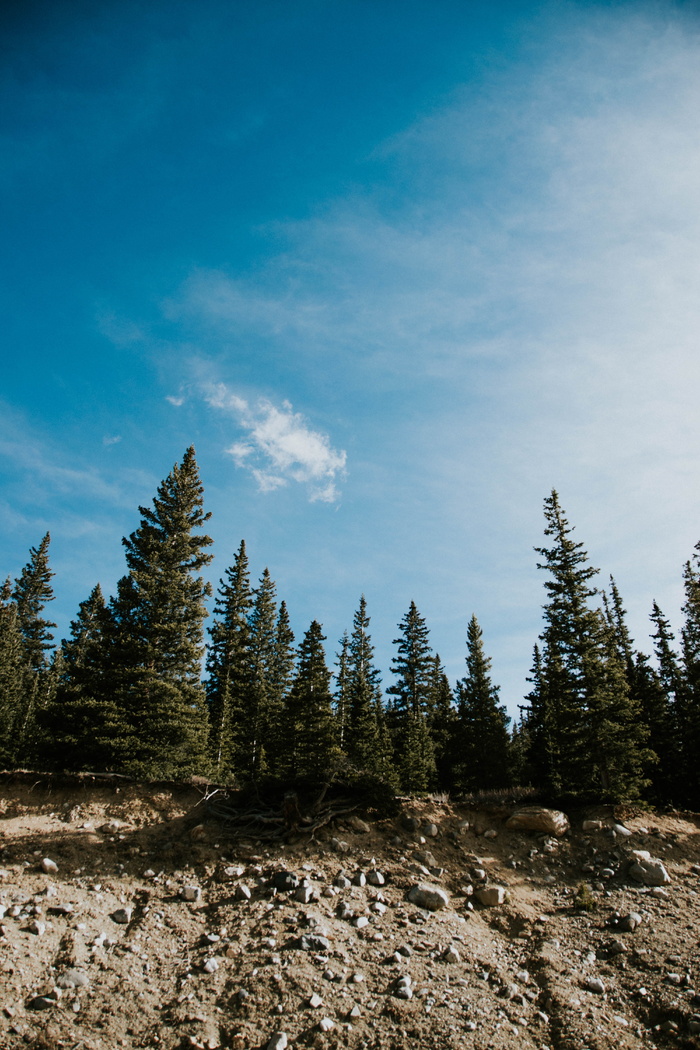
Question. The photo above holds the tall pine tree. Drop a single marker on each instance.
(156, 641)
(31, 593)
(584, 716)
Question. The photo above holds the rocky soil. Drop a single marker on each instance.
(130, 917)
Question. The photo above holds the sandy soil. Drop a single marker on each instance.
(104, 950)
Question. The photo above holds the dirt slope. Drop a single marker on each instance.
(105, 950)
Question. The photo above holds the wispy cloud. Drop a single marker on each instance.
(280, 446)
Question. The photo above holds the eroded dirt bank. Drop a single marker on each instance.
(153, 926)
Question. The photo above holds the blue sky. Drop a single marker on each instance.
(396, 269)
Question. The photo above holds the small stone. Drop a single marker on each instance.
(311, 942)
(594, 984)
(211, 965)
(491, 834)
(358, 825)
(73, 979)
(360, 922)
(149, 873)
(50, 867)
(37, 928)
(326, 1024)
(278, 1041)
(190, 893)
(122, 916)
(630, 922)
(285, 880)
(315, 1001)
(431, 830)
(242, 892)
(620, 831)
(198, 833)
(41, 1002)
(451, 956)
(491, 896)
(360, 879)
(375, 878)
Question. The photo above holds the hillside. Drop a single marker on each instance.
(133, 917)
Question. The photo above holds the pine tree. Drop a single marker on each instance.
(155, 647)
(441, 724)
(12, 676)
(667, 718)
(82, 722)
(31, 593)
(227, 664)
(413, 748)
(312, 749)
(361, 743)
(595, 731)
(259, 713)
(689, 694)
(281, 678)
(32, 590)
(483, 741)
(340, 695)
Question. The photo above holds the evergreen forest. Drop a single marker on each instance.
(145, 687)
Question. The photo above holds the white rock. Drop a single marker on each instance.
(241, 893)
(211, 965)
(594, 984)
(304, 894)
(326, 1024)
(278, 1041)
(491, 834)
(50, 867)
(491, 896)
(315, 1001)
(191, 893)
(451, 955)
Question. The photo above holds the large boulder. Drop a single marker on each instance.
(646, 869)
(432, 898)
(537, 818)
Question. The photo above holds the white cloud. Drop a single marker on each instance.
(280, 445)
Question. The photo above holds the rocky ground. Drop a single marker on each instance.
(132, 918)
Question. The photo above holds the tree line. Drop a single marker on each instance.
(140, 688)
